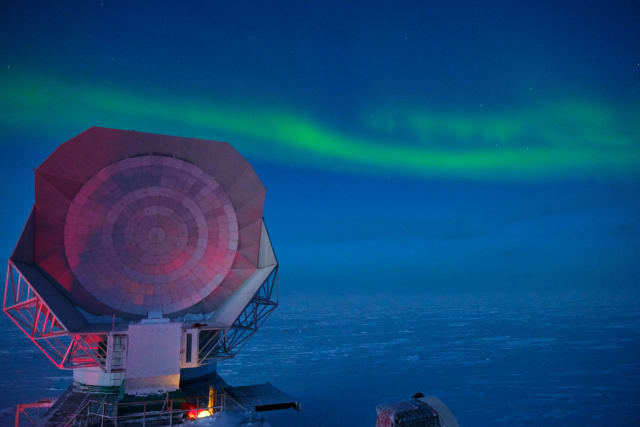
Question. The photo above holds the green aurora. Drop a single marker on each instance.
(565, 138)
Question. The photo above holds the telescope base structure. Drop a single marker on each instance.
(97, 377)
(207, 396)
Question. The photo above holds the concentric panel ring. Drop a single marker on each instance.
(151, 233)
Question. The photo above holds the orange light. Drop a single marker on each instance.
(204, 413)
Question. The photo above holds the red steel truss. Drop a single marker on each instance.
(30, 313)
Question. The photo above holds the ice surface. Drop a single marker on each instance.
(499, 360)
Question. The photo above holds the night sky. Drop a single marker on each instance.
(406, 146)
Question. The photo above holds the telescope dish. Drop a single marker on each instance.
(150, 233)
(138, 223)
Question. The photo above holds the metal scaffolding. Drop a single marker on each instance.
(229, 341)
(69, 350)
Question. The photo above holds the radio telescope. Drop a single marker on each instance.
(145, 259)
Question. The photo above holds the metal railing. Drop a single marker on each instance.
(103, 412)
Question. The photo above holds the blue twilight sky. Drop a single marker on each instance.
(405, 145)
